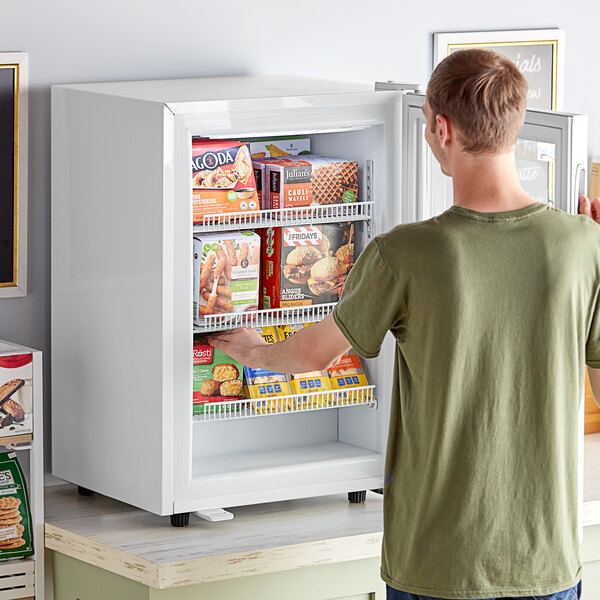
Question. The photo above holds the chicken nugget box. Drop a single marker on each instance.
(216, 376)
(17, 368)
(306, 265)
(222, 178)
(275, 147)
(226, 273)
(312, 180)
(313, 381)
(262, 383)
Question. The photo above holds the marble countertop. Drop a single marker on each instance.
(263, 538)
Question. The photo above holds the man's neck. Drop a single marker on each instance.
(488, 183)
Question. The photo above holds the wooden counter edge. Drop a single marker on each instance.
(213, 568)
(100, 555)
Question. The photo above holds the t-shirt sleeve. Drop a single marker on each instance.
(371, 302)
(592, 346)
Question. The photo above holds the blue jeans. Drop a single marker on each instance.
(573, 593)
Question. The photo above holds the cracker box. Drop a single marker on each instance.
(16, 390)
(313, 381)
(222, 178)
(306, 265)
(216, 376)
(226, 273)
(312, 180)
(262, 383)
(279, 146)
(16, 534)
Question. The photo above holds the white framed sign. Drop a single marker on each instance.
(14, 77)
(539, 54)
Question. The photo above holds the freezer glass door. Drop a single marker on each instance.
(551, 157)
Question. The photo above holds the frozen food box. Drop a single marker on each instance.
(347, 372)
(262, 383)
(216, 376)
(312, 180)
(279, 146)
(222, 178)
(306, 265)
(260, 167)
(313, 381)
(16, 393)
(226, 273)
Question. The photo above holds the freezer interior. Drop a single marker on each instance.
(319, 447)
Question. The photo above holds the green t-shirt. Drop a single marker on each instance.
(494, 316)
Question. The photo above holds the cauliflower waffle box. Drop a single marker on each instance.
(226, 273)
(222, 178)
(313, 381)
(16, 393)
(312, 180)
(16, 536)
(306, 265)
(259, 166)
(262, 383)
(216, 376)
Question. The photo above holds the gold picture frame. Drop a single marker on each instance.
(539, 54)
(14, 75)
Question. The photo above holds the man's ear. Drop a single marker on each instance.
(443, 130)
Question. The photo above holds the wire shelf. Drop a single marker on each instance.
(265, 317)
(331, 213)
(295, 403)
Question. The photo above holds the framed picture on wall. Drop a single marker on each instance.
(539, 54)
(14, 77)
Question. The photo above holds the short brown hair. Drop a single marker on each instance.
(484, 94)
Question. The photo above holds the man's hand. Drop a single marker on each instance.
(311, 349)
(241, 344)
(590, 208)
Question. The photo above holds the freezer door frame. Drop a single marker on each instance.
(241, 118)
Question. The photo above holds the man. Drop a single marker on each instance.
(494, 307)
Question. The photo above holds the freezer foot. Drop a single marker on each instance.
(378, 491)
(84, 491)
(180, 520)
(214, 514)
(357, 497)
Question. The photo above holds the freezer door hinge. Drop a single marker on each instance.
(398, 86)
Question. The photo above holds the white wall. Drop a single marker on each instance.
(358, 40)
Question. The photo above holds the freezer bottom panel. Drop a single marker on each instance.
(296, 472)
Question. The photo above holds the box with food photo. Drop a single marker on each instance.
(16, 393)
(306, 265)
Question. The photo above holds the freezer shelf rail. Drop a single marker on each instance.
(331, 213)
(295, 403)
(265, 317)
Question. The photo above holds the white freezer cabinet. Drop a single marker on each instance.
(122, 286)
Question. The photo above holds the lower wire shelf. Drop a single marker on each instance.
(295, 403)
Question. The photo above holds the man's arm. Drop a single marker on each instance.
(311, 349)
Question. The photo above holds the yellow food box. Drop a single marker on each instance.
(304, 383)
